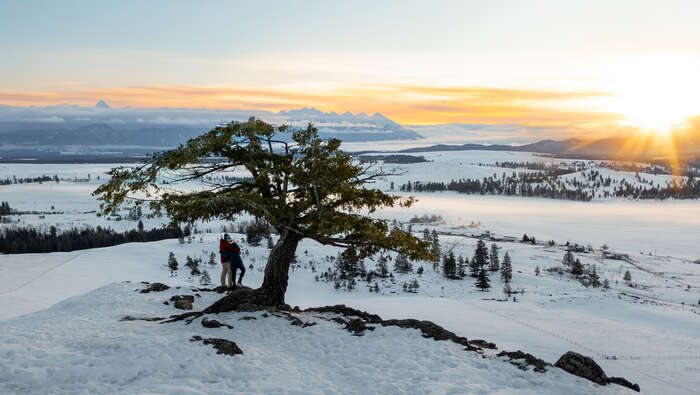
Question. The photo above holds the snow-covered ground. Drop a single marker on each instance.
(649, 333)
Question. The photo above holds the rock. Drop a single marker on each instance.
(345, 311)
(429, 329)
(183, 302)
(582, 366)
(623, 382)
(155, 287)
(482, 344)
(247, 318)
(528, 359)
(134, 318)
(357, 327)
(207, 323)
(222, 346)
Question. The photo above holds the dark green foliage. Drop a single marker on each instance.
(172, 262)
(5, 208)
(461, 267)
(568, 259)
(349, 267)
(482, 280)
(205, 279)
(506, 269)
(193, 265)
(300, 184)
(494, 261)
(307, 186)
(402, 264)
(480, 259)
(449, 266)
(420, 270)
(594, 278)
(577, 268)
(256, 232)
(474, 268)
(382, 266)
(30, 240)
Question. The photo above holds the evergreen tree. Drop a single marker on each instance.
(568, 259)
(606, 284)
(172, 262)
(449, 265)
(212, 259)
(402, 264)
(193, 265)
(474, 268)
(482, 280)
(494, 262)
(461, 267)
(577, 268)
(205, 279)
(303, 185)
(593, 276)
(628, 276)
(506, 269)
(382, 266)
(435, 249)
(537, 270)
(420, 270)
(481, 254)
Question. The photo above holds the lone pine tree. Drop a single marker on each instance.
(482, 280)
(494, 261)
(301, 185)
(506, 269)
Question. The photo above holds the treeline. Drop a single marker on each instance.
(41, 179)
(31, 240)
(5, 209)
(28, 180)
(543, 185)
(400, 159)
(524, 184)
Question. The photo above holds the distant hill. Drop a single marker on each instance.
(63, 125)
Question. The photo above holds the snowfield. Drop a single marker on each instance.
(60, 328)
(81, 346)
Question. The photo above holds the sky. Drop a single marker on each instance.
(594, 67)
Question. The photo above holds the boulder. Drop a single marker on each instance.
(183, 302)
(582, 366)
(222, 346)
(481, 343)
(207, 323)
(155, 287)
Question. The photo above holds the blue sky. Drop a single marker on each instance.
(360, 56)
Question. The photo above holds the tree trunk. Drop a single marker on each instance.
(277, 270)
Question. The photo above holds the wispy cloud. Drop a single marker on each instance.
(407, 104)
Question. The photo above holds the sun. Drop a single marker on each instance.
(657, 94)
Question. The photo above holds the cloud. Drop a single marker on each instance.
(406, 104)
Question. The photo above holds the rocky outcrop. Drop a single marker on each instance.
(183, 302)
(222, 346)
(345, 311)
(523, 360)
(207, 323)
(155, 287)
(482, 344)
(587, 368)
(429, 330)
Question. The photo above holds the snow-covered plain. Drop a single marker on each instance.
(649, 334)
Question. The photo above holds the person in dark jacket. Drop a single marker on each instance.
(236, 263)
(227, 250)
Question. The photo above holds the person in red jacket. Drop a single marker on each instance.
(226, 250)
